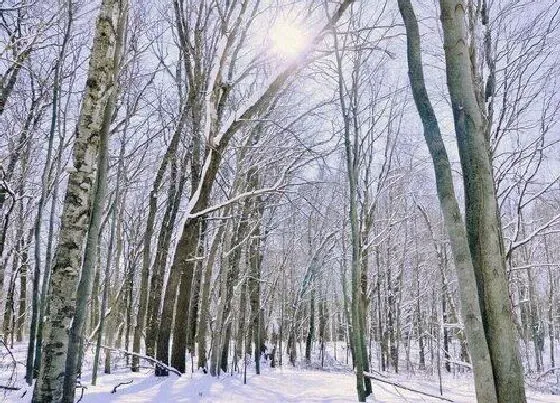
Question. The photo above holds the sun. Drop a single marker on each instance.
(288, 40)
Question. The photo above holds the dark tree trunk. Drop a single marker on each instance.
(311, 331)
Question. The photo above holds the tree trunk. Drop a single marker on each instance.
(232, 277)
(192, 231)
(181, 272)
(551, 293)
(85, 284)
(195, 294)
(419, 324)
(444, 318)
(162, 249)
(534, 320)
(242, 310)
(392, 322)
(9, 307)
(20, 323)
(77, 205)
(21, 267)
(367, 221)
(91, 252)
(205, 298)
(184, 283)
(187, 248)
(48, 259)
(481, 215)
(218, 329)
(323, 318)
(115, 239)
(34, 346)
(115, 215)
(147, 240)
(254, 283)
(311, 331)
(471, 309)
(356, 289)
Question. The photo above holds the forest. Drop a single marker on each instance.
(280, 200)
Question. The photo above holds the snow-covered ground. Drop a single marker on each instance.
(273, 385)
(285, 384)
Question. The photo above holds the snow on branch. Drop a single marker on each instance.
(144, 357)
(533, 266)
(518, 243)
(235, 199)
(256, 104)
(261, 101)
(277, 186)
(401, 386)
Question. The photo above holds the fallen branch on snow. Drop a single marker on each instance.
(82, 388)
(144, 357)
(548, 371)
(398, 385)
(120, 384)
(9, 387)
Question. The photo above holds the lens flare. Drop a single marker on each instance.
(288, 40)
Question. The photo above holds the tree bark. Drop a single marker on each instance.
(551, 305)
(150, 221)
(77, 205)
(34, 346)
(356, 289)
(205, 297)
(242, 312)
(22, 308)
(188, 251)
(311, 330)
(174, 194)
(194, 303)
(254, 280)
(182, 273)
(225, 322)
(115, 239)
(481, 215)
(91, 252)
(471, 310)
(48, 259)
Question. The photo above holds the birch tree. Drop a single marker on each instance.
(77, 205)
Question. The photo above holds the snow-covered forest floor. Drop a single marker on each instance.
(332, 383)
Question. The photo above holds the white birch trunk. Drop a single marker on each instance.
(77, 205)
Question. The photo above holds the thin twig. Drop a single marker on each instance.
(120, 384)
(81, 392)
(398, 385)
(548, 371)
(144, 357)
(9, 387)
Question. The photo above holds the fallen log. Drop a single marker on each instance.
(144, 357)
(398, 385)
